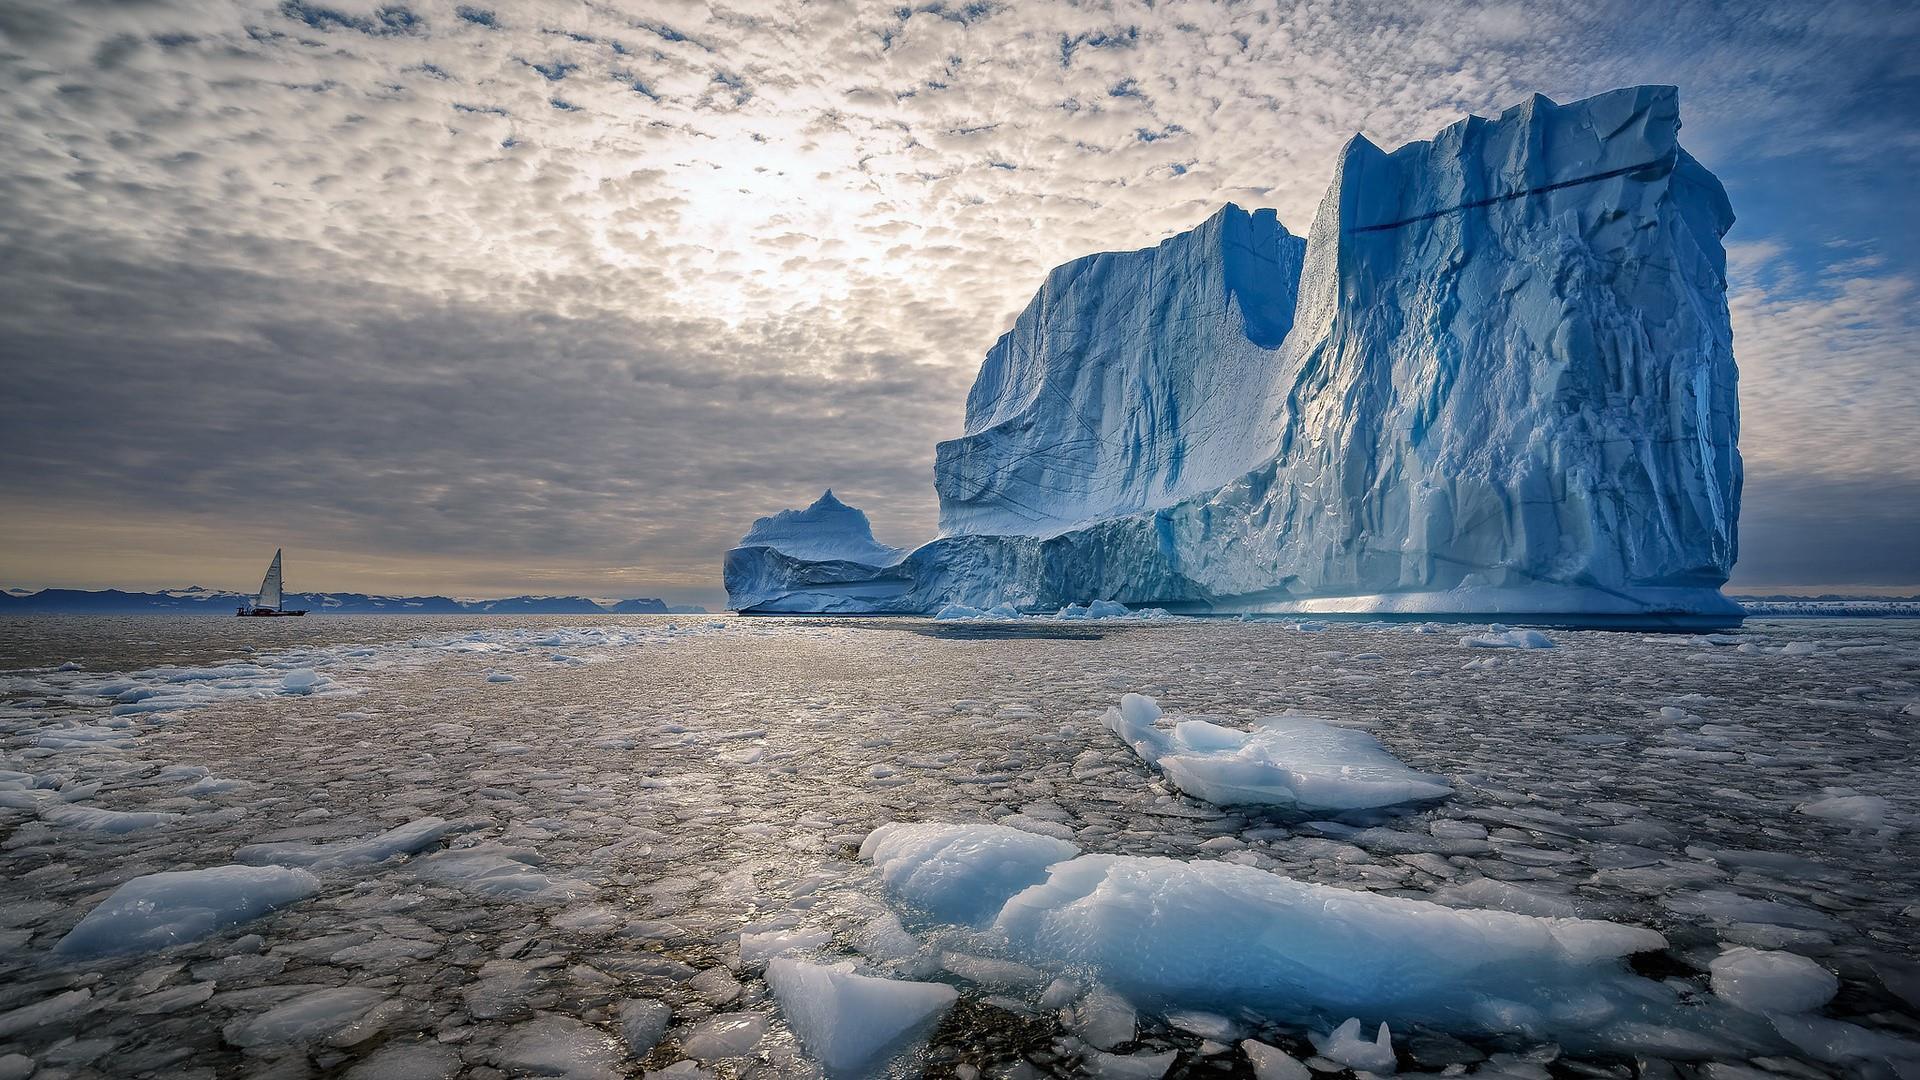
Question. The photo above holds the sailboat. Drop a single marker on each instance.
(269, 603)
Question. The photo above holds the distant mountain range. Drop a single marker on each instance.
(199, 601)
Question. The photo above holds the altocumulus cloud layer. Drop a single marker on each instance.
(558, 296)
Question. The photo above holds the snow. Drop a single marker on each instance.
(1200, 425)
(1348, 1046)
(1297, 762)
(850, 1022)
(160, 910)
(960, 873)
(1768, 982)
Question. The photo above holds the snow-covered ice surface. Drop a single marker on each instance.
(1688, 856)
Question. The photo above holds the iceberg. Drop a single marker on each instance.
(1496, 378)
(822, 559)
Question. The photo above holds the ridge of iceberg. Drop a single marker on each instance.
(1496, 379)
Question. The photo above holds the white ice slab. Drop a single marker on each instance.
(1295, 762)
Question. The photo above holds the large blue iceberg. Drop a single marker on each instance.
(1496, 378)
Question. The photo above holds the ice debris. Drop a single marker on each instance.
(1346, 1045)
(415, 836)
(1208, 934)
(1501, 637)
(850, 1022)
(1765, 982)
(159, 910)
(1292, 761)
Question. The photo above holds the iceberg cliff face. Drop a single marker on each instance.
(1496, 379)
(1121, 387)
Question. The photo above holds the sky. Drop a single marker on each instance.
(485, 299)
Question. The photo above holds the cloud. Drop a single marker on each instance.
(345, 273)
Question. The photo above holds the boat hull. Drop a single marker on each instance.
(265, 613)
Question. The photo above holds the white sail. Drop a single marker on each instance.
(270, 587)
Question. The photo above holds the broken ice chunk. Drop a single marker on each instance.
(725, 1035)
(407, 839)
(1273, 1063)
(1768, 982)
(320, 1014)
(158, 910)
(1293, 761)
(1500, 637)
(850, 1022)
(1347, 1046)
(560, 1046)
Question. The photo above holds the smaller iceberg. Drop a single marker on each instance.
(1294, 762)
(821, 559)
(829, 529)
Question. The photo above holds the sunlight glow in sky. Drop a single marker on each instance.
(558, 297)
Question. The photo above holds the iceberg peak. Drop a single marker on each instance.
(828, 529)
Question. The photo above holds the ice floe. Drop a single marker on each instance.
(407, 839)
(1291, 761)
(1767, 982)
(160, 910)
(848, 1022)
(1207, 933)
(1501, 637)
